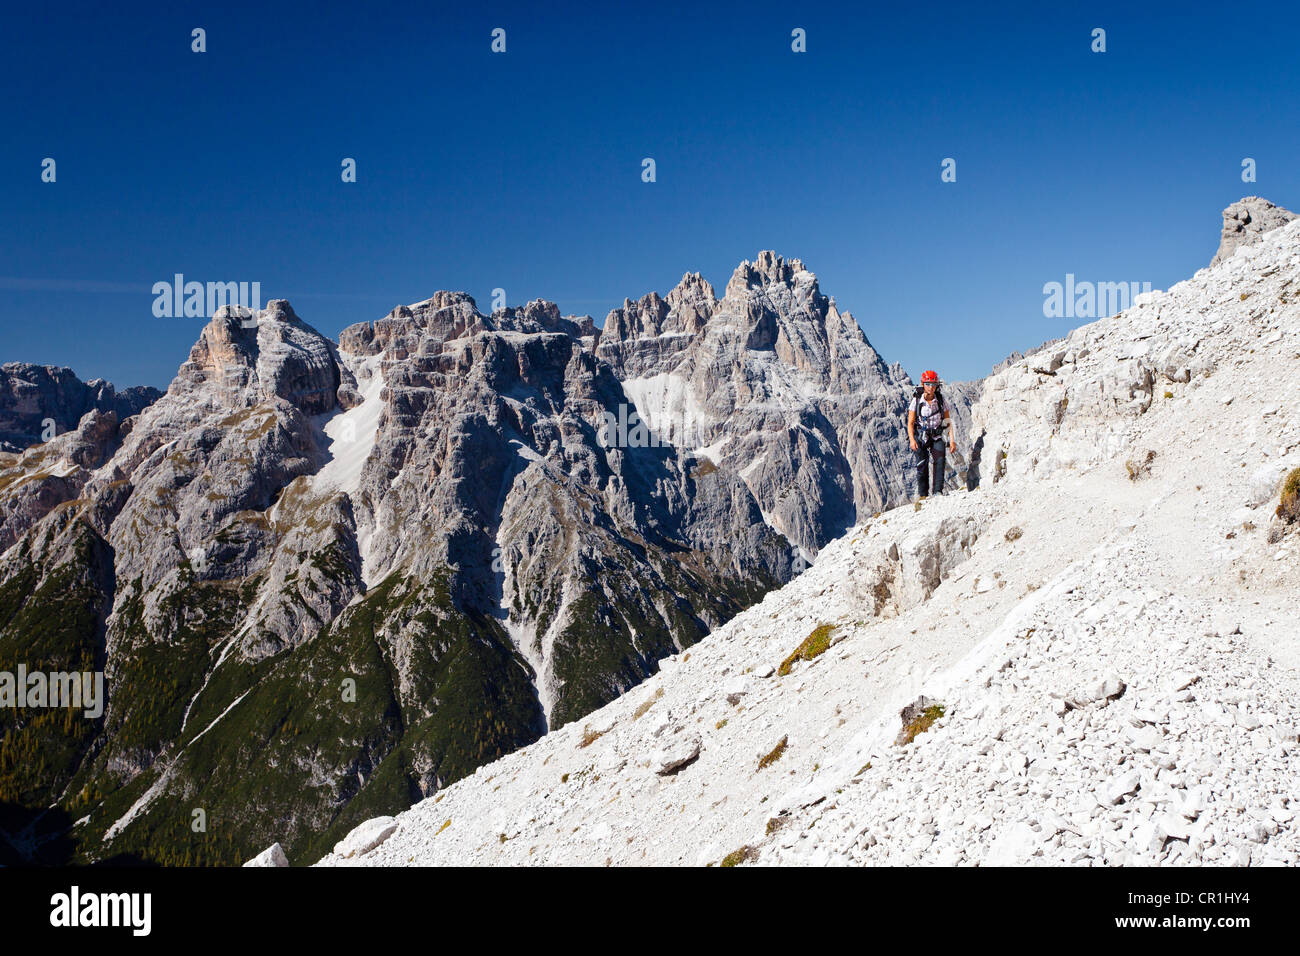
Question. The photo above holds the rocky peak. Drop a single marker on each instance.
(778, 305)
(422, 328)
(1245, 221)
(692, 301)
(778, 384)
(248, 357)
(687, 308)
(633, 339)
(49, 474)
(764, 300)
(643, 317)
(444, 315)
(539, 315)
(768, 269)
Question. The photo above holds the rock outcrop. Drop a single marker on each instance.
(1246, 221)
(273, 855)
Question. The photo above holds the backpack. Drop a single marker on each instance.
(924, 434)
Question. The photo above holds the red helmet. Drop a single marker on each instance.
(930, 376)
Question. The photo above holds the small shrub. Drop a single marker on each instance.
(744, 855)
(814, 645)
(775, 755)
(1014, 534)
(1169, 394)
(641, 711)
(1288, 508)
(881, 594)
(590, 736)
(921, 724)
(1140, 469)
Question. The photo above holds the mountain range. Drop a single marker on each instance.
(325, 580)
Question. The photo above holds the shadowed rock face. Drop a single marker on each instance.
(326, 580)
(1245, 221)
(32, 395)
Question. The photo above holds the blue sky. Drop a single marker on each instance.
(523, 170)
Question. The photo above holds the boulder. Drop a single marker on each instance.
(1245, 222)
(365, 837)
(273, 855)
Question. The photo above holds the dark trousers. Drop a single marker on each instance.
(926, 451)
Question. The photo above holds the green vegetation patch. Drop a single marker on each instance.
(920, 725)
(775, 754)
(736, 857)
(814, 645)
(1288, 508)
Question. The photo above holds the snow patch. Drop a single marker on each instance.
(670, 409)
(353, 433)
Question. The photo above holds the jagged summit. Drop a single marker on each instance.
(775, 382)
(767, 269)
(452, 315)
(249, 357)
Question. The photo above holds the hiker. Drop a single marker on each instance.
(925, 428)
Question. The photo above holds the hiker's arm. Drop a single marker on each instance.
(911, 427)
(952, 429)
